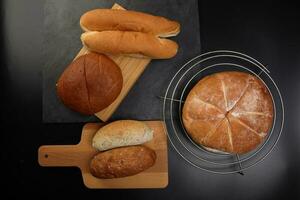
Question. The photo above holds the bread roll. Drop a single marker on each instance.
(123, 20)
(228, 111)
(90, 83)
(122, 133)
(134, 44)
(121, 162)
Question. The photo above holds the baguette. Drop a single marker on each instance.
(122, 133)
(121, 162)
(135, 44)
(123, 20)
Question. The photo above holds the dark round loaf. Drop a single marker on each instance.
(90, 83)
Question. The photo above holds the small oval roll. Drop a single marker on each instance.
(134, 44)
(122, 133)
(124, 20)
(121, 162)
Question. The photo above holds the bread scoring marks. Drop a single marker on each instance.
(214, 150)
(229, 134)
(213, 130)
(261, 135)
(224, 94)
(238, 114)
(231, 107)
(100, 68)
(86, 84)
(209, 104)
(232, 110)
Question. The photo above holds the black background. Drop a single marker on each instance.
(267, 31)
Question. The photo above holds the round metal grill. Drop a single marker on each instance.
(180, 85)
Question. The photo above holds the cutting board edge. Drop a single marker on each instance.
(163, 184)
(158, 180)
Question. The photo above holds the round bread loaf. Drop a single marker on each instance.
(228, 111)
(90, 83)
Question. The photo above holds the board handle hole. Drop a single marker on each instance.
(46, 155)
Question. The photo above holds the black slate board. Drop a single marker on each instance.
(62, 42)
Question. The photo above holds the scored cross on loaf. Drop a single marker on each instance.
(228, 111)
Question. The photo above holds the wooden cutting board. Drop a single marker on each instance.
(131, 69)
(81, 154)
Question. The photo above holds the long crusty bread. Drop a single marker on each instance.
(134, 44)
(123, 20)
(122, 133)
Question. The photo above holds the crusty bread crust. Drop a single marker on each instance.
(122, 133)
(228, 111)
(90, 83)
(124, 20)
(129, 43)
(121, 162)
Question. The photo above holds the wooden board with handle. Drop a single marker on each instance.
(131, 69)
(81, 154)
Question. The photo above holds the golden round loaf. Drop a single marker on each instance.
(90, 83)
(228, 111)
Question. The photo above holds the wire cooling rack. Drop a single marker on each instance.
(180, 85)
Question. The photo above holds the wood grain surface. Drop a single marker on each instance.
(81, 154)
(131, 68)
